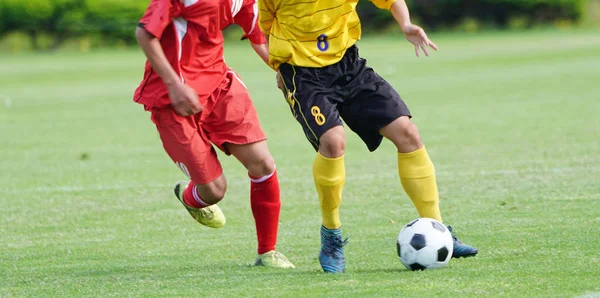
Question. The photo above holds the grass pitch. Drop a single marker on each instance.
(511, 121)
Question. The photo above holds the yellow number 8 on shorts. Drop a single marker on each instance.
(319, 117)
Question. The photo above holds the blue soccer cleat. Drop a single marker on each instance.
(331, 256)
(462, 250)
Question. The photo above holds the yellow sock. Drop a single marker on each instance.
(330, 175)
(418, 180)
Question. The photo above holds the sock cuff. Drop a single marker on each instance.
(197, 197)
(412, 154)
(321, 156)
(416, 164)
(331, 232)
(329, 171)
(264, 178)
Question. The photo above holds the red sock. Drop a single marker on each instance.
(265, 203)
(192, 198)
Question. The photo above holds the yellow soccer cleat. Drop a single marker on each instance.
(211, 216)
(273, 259)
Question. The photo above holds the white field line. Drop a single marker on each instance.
(590, 295)
(284, 179)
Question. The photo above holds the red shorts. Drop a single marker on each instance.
(228, 117)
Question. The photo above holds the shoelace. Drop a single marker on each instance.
(206, 213)
(453, 235)
(332, 247)
(279, 256)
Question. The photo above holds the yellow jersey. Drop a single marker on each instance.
(310, 33)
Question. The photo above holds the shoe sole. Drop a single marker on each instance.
(465, 256)
(331, 271)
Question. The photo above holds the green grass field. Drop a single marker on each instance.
(512, 122)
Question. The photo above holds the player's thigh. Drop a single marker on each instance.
(187, 146)
(373, 104)
(312, 103)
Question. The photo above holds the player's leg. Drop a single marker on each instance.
(314, 106)
(377, 110)
(415, 168)
(329, 175)
(234, 127)
(417, 175)
(191, 151)
(264, 200)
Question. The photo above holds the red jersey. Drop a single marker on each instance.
(190, 34)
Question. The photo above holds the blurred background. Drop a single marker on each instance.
(85, 24)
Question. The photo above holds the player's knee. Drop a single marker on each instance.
(411, 140)
(332, 149)
(214, 195)
(410, 132)
(332, 143)
(262, 166)
(404, 134)
(214, 191)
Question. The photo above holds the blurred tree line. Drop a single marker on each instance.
(441, 14)
(49, 23)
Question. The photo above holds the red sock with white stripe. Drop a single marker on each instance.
(192, 198)
(265, 203)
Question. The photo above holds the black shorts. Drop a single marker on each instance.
(348, 89)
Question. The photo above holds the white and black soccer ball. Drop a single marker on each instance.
(424, 243)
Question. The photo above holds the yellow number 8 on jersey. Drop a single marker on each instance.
(316, 112)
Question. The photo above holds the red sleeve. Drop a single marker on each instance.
(247, 18)
(157, 17)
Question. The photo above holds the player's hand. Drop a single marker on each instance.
(184, 99)
(416, 35)
(279, 81)
(280, 84)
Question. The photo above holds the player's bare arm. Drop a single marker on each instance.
(183, 98)
(280, 83)
(413, 33)
(262, 50)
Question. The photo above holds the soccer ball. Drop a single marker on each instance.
(424, 243)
